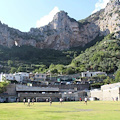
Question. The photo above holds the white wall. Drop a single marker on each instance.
(90, 74)
(9, 76)
(97, 93)
(25, 74)
(40, 76)
(0, 78)
(18, 78)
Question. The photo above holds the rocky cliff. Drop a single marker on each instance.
(65, 32)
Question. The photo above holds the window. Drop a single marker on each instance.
(37, 75)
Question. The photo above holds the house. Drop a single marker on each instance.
(40, 76)
(91, 74)
(20, 76)
(7, 76)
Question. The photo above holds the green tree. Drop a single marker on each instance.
(21, 69)
(3, 86)
(54, 71)
(13, 70)
(117, 76)
(10, 62)
(51, 66)
(70, 70)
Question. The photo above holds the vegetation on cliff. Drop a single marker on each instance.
(104, 56)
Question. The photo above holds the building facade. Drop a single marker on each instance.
(41, 93)
(109, 92)
(91, 74)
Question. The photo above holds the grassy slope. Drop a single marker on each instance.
(66, 111)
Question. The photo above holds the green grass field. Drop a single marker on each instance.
(97, 110)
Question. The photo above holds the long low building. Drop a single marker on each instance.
(67, 92)
(38, 93)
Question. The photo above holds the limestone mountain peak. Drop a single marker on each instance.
(64, 32)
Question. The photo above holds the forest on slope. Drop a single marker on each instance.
(103, 56)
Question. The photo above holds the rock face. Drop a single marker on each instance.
(109, 20)
(65, 32)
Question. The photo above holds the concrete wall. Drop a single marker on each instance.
(108, 92)
(111, 94)
(7, 98)
(109, 86)
(11, 89)
(10, 94)
(97, 93)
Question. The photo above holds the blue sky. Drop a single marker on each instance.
(24, 14)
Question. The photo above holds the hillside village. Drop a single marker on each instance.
(40, 86)
(24, 77)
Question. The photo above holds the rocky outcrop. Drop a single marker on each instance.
(109, 20)
(65, 32)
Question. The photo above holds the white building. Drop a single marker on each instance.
(20, 76)
(40, 76)
(9, 76)
(17, 76)
(91, 74)
(6, 76)
(1, 77)
(24, 74)
(107, 92)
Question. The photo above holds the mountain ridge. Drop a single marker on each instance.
(64, 32)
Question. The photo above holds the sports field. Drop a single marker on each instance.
(67, 111)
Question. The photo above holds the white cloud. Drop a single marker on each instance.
(47, 18)
(100, 5)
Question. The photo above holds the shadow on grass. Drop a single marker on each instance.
(79, 110)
